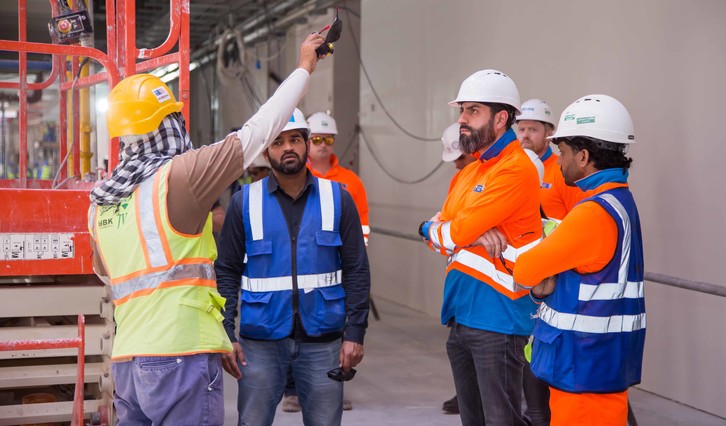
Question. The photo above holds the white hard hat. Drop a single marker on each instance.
(297, 122)
(597, 116)
(537, 163)
(537, 110)
(321, 122)
(450, 140)
(488, 86)
(260, 161)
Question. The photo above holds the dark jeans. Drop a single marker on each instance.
(488, 373)
(537, 397)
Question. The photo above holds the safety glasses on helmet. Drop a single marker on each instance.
(317, 140)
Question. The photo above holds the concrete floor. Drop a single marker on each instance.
(405, 376)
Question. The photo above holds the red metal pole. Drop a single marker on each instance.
(52, 49)
(184, 94)
(22, 96)
(111, 35)
(130, 38)
(171, 39)
(80, 381)
(62, 116)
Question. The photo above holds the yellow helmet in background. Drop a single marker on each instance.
(137, 105)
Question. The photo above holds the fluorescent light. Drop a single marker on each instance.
(171, 76)
(102, 105)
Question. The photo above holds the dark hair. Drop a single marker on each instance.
(603, 154)
(496, 108)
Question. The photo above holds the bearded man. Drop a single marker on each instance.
(489, 317)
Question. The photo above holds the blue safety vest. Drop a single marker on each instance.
(590, 333)
(270, 276)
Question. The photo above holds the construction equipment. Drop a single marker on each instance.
(47, 282)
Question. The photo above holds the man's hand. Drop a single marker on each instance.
(545, 288)
(308, 56)
(493, 241)
(351, 354)
(229, 360)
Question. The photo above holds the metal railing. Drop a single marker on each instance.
(698, 286)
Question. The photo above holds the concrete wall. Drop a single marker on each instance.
(659, 57)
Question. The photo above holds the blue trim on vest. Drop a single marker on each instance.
(267, 315)
(497, 147)
(547, 154)
(601, 177)
(577, 361)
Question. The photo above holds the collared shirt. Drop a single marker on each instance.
(354, 260)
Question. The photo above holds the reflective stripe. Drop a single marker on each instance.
(256, 211)
(625, 220)
(92, 221)
(366, 229)
(434, 235)
(154, 279)
(446, 236)
(304, 282)
(591, 324)
(611, 291)
(154, 246)
(486, 267)
(327, 205)
(511, 254)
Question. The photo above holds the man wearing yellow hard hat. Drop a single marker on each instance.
(152, 237)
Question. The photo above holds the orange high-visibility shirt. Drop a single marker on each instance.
(352, 183)
(494, 193)
(557, 197)
(501, 193)
(585, 241)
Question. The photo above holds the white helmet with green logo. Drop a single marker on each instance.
(597, 116)
(322, 123)
(537, 110)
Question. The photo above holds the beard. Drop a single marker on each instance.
(477, 139)
(289, 168)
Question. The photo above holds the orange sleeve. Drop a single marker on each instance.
(360, 199)
(506, 193)
(453, 182)
(585, 240)
(569, 195)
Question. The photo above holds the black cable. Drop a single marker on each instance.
(350, 145)
(375, 93)
(378, 161)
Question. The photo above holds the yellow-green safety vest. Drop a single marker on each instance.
(162, 281)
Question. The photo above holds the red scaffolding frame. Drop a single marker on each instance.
(32, 207)
(76, 342)
(120, 61)
(36, 210)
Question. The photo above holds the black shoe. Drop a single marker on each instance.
(451, 406)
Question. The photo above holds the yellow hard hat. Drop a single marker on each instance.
(137, 105)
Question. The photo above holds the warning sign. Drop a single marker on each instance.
(36, 246)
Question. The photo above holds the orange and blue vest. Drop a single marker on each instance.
(590, 332)
(271, 277)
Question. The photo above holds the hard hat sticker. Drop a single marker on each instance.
(161, 94)
(585, 120)
(292, 118)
